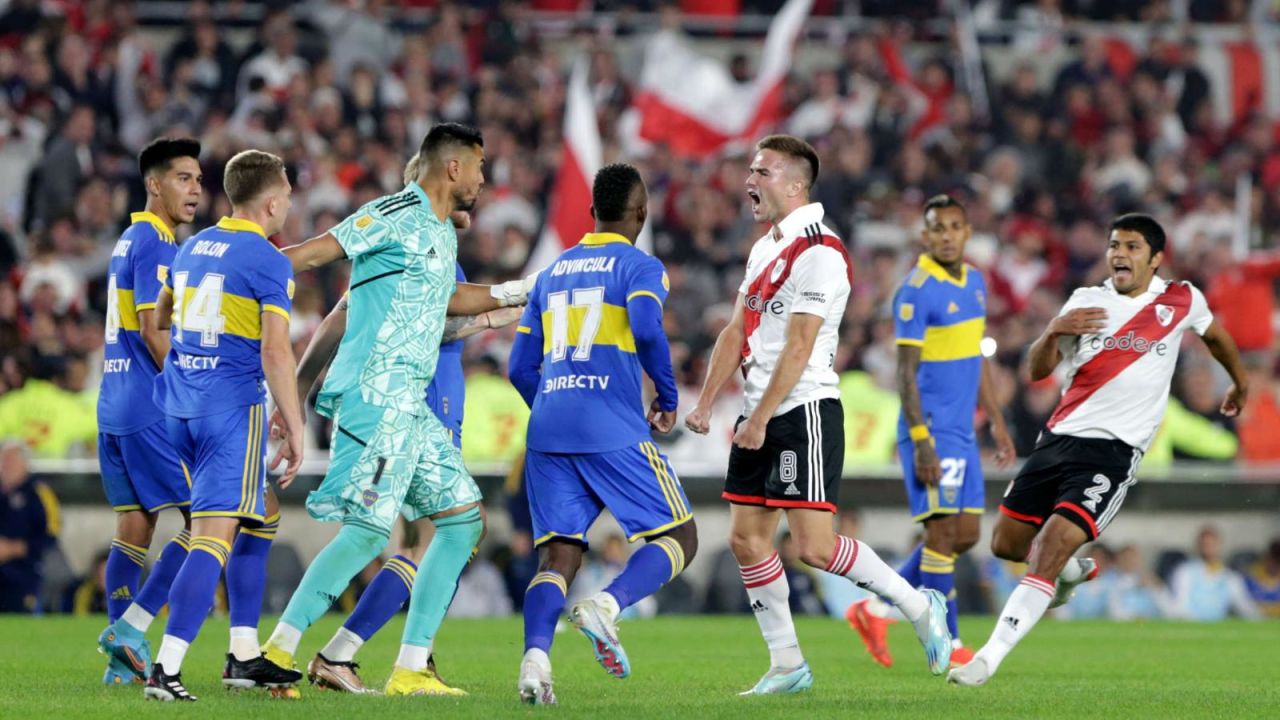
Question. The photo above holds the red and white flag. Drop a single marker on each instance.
(691, 102)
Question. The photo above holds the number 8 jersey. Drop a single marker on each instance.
(589, 398)
(223, 279)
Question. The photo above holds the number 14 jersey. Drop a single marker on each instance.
(589, 399)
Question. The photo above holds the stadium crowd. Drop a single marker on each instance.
(344, 92)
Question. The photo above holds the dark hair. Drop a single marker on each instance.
(249, 173)
(794, 147)
(612, 190)
(937, 202)
(448, 135)
(1144, 225)
(159, 153)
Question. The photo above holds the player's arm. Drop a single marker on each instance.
(644, 312)
(726, 357)
(460, 327)
(153, 336)
(151, 281)
(279, 367)
(925, 456)
(316, 252)
(1045, 353)
(995, 416)
(473, 299)
(162, 319)
(524, 367)
(802, 333)
(1224, 350)
(320, 351)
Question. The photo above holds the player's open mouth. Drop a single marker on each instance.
(755, 198)
(190, 207)
(1121, 272)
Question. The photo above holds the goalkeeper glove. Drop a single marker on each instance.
(513, 292)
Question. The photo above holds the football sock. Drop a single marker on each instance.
(1025, 607)
(858, 562)
(172, 651)
(191, 596)
(124, 567)
(285, 637)
(327, 577)
(437, 578)
(543, 603)
(938, 572)
(247, 573)
(910, 568)
(343, 646)
(413, 657)
(651, 567)
(244, 642)
(1071, 572)
(155, 591)
(381, 600)
(770, 597)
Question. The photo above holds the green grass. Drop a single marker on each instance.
(692, 668)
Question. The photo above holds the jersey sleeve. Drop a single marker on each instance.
(1199, 317)
(273, 286)
(524, 368)
(910, 315)
(362, 233)
(649, 280)
(151, 272)
(821, 280)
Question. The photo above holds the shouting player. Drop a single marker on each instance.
(594, 320)
(940, 314)
(788, 448)
(141, 473)
(391, 455)
(1120, 342)
(229, 295)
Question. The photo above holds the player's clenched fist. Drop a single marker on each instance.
(1081, 321)
(699, 420)
(661, 420)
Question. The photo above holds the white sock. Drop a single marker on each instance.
(172, 651)
(858, 562)
(538, 657)
(1072, 572)
(610, 603)
(413, 657)
(878, 608)
(1024, 609)
(343, 646)
(769, 593)
(244, 642)
(286, 637)
(137, 618)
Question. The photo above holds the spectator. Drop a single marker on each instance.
(870, 420)
(1263, 581)
(1259, 422)
(494, 416)
(1136, 592)
(1205, 589)
(88, 595)
(50, 420)
(66, 163)
(29, 523)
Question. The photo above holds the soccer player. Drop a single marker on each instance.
(141, 472)
(1120, 342)
(788, 448)
(229, 295)
(594, 320)
(939, 315)
(391, 455)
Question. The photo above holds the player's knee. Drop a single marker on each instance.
(135, 527)
(687, 536)
(561, 557)
(363, 541)
(749, 549)
(1007, 547)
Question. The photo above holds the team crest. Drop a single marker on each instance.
(363, 222)
(369, 497)
(289, 289)
(952, 308)
(950, 494)
(1164, 314)
(666, 281)
(906, 311)
(777, 270)
(162, 272)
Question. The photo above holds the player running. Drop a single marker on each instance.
(391, 455)
(229, 295)
(141, 473)
(939, 316)
(788, 448)
(1120, 342)
(594, 319)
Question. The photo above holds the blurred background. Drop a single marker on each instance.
(1046, 118)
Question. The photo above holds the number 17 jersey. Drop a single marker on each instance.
(589, 399)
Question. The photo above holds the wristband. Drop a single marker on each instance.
(919, 432)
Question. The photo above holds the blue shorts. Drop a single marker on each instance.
(959, 491)
(226, 453)
(637, 484)
(141, 471)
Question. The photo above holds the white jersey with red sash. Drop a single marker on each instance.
(1118, 379)
(804, 269)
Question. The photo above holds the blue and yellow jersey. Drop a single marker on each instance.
(589, 395)
(222, 279)
(447, 391)
(139, 264)
(946, 318)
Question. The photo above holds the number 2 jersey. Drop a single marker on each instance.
(223, 279)
(139, 265)
(580, 315)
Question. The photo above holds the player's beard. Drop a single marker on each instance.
(465, 204)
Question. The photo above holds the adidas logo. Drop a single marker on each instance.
(431, 253)
(1013, 621)
(791, 490)
(758, 606)
(121, 593)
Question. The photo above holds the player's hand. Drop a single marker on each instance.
(750, 434)
(461, 219)
(928, 468)
(1005, 453)
(503, 317)
(291, 452)
(1234, 402)
(699, 420)
(661, 420)
(277, 427)
(1081, 321)
(513, 292)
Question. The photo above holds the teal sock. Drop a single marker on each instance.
(438, 573)
(330, 572)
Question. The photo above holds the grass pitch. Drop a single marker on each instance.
(692, 667)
